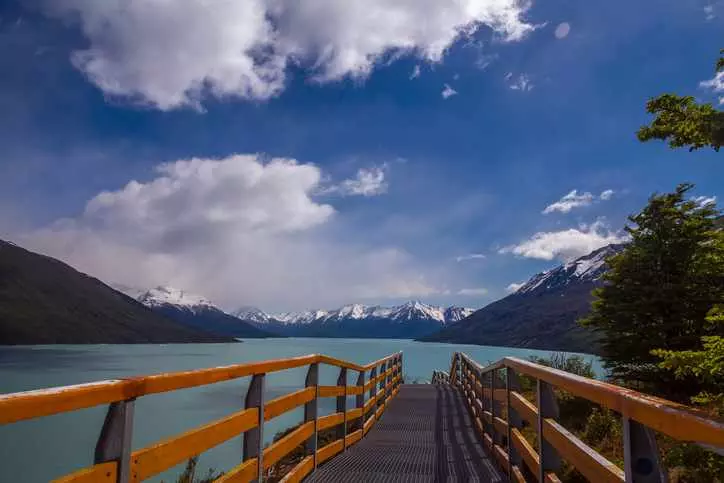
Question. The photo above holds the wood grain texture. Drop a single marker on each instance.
(526, 409)
(285, 445)
(285, 403)
(299, 472)
(242, 473)
(161, 456)
(331, 391)
(586, 460)
(330, 421)
(526, 451)
(44, 402)
(675, 420)
(326, 452)
(352, 438)
(101, 473)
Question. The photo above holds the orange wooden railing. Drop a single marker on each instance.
(116, 462)
(499, 409)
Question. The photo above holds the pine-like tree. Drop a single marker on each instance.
(659, 290)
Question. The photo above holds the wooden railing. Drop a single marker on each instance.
(114, 460)
(499, 409)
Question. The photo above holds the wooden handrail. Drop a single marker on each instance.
(485, 391)
(114, 461)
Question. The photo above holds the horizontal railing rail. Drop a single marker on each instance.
(499, 409)
(114, 460)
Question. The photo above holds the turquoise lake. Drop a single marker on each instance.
(46, 448)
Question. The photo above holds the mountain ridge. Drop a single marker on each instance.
(196, 312)
(46, 301)
(409, 320)
(542, 313)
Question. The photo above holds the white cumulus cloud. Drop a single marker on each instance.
(575, 200)
(238, 230)
(170, 54)
(606, 195)
(448, 92)
(567, 244)
(570, 201)
(368, 182)
(716, 84)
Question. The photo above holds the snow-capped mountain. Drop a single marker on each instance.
(587, 268)
(171, 296)
(414, 310)
(542, 313)
(455, 314)
(194, 311)
(251, 314)
(408, 320)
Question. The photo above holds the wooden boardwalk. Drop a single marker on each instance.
(425, 435)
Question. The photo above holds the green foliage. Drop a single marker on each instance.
(573, 410)
(602, 425)
(569, 363)
(690, 463)
(658, 291)
(189, 473)
(706, 364)
(684, 122)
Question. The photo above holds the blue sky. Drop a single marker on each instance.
(386, 186)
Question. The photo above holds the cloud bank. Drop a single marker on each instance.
(239, 230)
(565, 245)
(170, 54)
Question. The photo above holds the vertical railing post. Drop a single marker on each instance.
(453, 366)
(493, 431)
(254, 438)
(401, 371)
(360, 399)
(373, 389)
(547, 408)
(512, 383)
(381, 384)
(310, 408)
(640, 453)
(114, 442)
(342, 406)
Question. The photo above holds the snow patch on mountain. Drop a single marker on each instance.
(586, 268)
(251, 314)
(172, 296)
(410, 311)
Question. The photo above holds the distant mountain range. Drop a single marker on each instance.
(410, 320)
(541, 314)
(45, 301)
(197, 312)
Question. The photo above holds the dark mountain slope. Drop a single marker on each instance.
(45, 301)
(198, 313)
(542, 314)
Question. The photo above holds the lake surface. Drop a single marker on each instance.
(46, 448)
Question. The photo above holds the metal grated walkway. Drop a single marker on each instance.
(425, 435)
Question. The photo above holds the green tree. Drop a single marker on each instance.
(706, 364)
(684, 122)
(658, 292)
